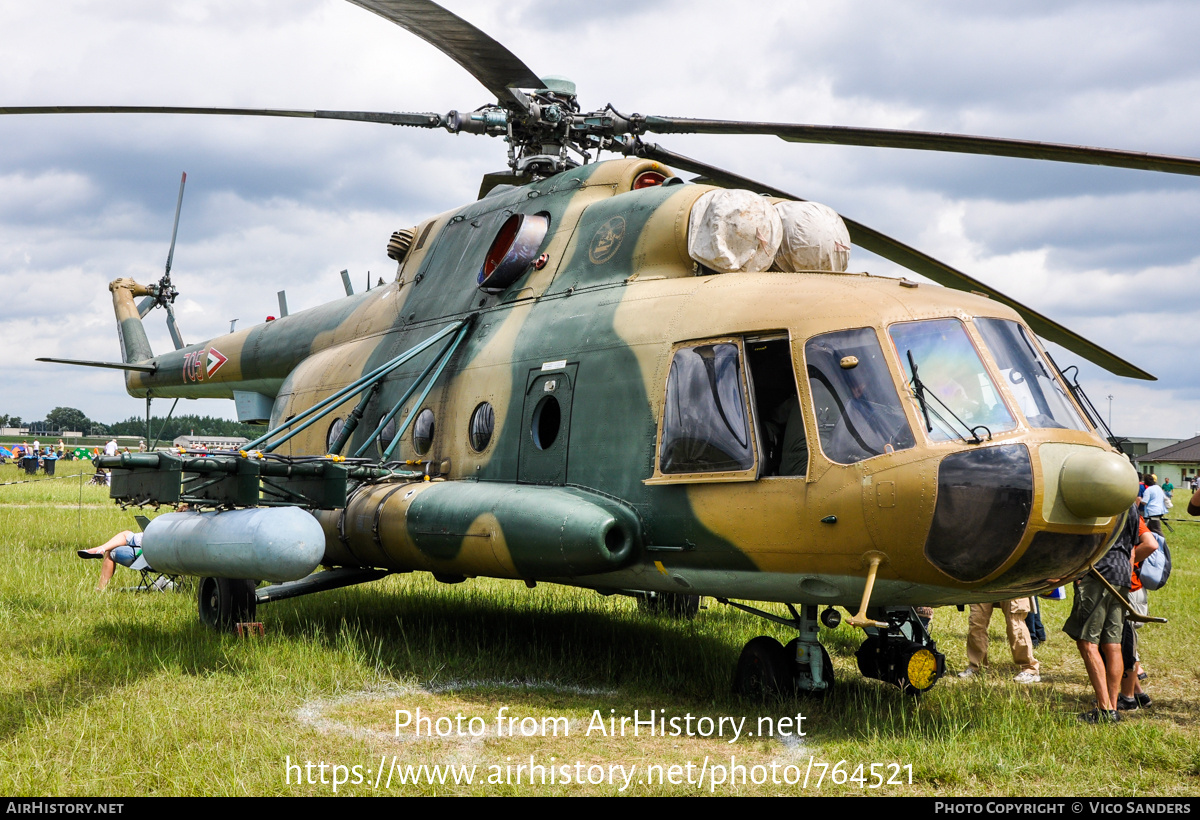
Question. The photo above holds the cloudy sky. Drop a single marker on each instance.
(274, 204)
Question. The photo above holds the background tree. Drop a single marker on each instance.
(68, 418)
(185, 425)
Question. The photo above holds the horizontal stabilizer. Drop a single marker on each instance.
(141, 368)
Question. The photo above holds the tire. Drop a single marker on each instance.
(226, 602)
(798, 676)
(763, 670)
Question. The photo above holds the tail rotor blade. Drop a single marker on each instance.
(146, 305)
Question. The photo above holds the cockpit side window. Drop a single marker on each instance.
(857, 408)
(1041, 397)
(706, 425)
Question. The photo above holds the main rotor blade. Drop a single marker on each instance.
(497, 68)
(911, 258)
(175, 229)
(931, 141)
(173, 328)
(426, 120)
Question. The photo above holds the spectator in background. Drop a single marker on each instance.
(1019, 640)
(1153, 503)
(123, 548)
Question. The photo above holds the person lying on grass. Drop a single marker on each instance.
(123, 548)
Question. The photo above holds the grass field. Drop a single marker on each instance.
(126, 694)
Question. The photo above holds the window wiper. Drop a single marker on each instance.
(919, 389)
(921, 392)
(1085, 402)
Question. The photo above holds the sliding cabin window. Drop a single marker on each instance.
(706, 425)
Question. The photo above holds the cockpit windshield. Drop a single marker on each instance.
(1041, 397)
(962, 395)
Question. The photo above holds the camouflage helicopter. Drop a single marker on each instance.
(600, 375)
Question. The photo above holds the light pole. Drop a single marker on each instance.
(1110, 412)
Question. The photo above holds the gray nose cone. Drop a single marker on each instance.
(1097, 484)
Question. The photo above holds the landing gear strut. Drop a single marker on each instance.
(767, 669)
(902, 653)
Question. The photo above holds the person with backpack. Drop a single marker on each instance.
(1097, 618)
(1131, 696)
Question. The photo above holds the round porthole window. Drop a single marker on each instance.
(422, 436)
(387, 435)
(483, 423)
(547, 417)
(335, 430)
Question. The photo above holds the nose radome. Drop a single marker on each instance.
(1096, 484)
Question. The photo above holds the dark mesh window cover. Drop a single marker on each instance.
(705, 426)
(1050, 555)
(983, 503)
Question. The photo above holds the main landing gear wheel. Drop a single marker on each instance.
(225, 602)
(763, 670)
(766, 669)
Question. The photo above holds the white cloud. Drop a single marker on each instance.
(275, 204)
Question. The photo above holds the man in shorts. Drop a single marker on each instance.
(123, 548)
(1132, 696)
(1097, 617)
